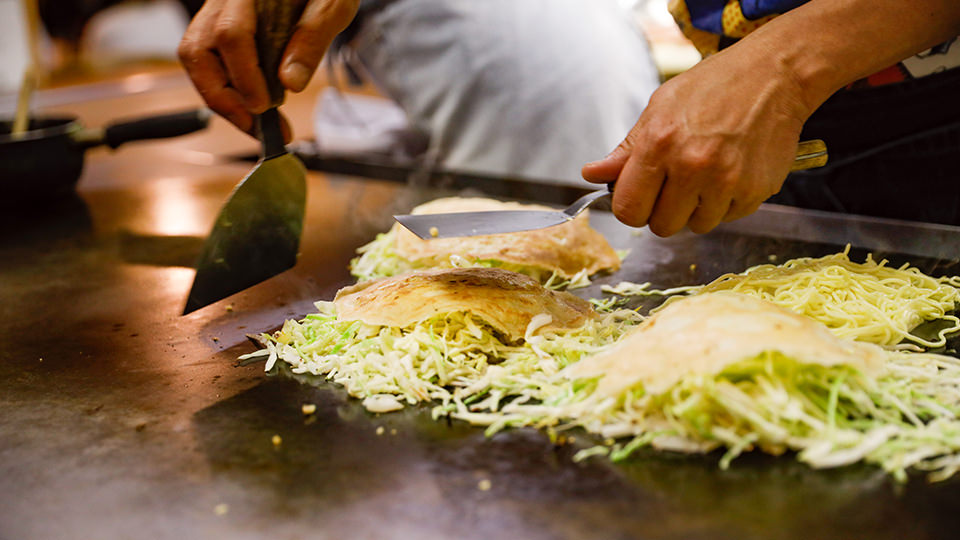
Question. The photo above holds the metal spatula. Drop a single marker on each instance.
(810, 154)
(257, 233)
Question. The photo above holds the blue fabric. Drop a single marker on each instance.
(754, 9)
(707, 15)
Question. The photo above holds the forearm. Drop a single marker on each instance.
(716, 141)
(826, 44)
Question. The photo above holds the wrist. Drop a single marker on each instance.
(805, 72)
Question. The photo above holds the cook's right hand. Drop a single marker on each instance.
(713, 143)
(219, 53)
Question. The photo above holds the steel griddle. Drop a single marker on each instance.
(121, 419)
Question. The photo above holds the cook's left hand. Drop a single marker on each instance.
(712, 144)
(219, 53)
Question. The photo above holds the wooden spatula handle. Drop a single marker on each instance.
(810, 154)
(276, 22)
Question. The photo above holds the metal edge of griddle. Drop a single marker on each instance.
(931, 240)
(383, 168)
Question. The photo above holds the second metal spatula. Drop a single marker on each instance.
(810, 154)
(257, 233)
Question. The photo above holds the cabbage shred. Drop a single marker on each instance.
(867, 301)
(452, 358)
(907, 418)
(831, 416)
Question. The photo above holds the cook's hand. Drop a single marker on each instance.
(220, 55)
(712, 144)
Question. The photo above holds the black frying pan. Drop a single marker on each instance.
(47, 159)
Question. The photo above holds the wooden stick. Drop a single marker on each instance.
(31, 75)
(21, 121)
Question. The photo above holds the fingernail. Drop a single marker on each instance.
(296, 75)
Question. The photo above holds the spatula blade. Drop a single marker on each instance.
(257, 233)
(428, 226)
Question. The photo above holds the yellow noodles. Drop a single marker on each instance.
(866, 301)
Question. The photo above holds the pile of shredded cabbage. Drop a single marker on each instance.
(867, 301)
(831, 416)
(450, 358)
(379, 259)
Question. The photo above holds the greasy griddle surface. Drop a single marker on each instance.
(123, 420)
(653, 494)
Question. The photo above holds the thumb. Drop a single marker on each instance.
(608, 168)
(321, 21)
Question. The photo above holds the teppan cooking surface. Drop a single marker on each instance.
(121, 419)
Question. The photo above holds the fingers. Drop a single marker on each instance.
(234, 35)
(211, 81)
(321, 21)
(717, 189)
(607, 169)
(673, 208)
(637, 188)
(219, 53)
(739, 209)
(206, 71)
(697, 191)
(709, 213)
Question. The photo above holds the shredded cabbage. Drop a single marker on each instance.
(831, 416)
(451, 357)
(867, 301)
(908, 418)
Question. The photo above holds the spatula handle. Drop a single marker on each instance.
(276, 21)
(810, 154)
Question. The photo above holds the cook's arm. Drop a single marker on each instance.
(717, 140)
(219, 53)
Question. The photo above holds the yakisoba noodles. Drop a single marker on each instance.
(867, 301)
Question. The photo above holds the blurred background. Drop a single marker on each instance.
(573, 76)
(80, 38)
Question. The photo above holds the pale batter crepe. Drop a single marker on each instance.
(572, 250)
(505, 300)
(702, 335)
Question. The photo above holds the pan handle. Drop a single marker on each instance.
(151, 127)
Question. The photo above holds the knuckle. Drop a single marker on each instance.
(659, 228)
(227, 34)
(699, 228)
(658, 140)
(626, 213)
(725, 185)
(701, 225)
(702, 157)
(661, 224)
(188, 50)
